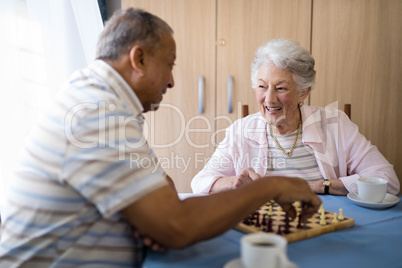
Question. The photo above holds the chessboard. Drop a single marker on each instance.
(272, 219)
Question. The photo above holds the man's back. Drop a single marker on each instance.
(74, 177)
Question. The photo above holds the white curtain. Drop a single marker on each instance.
(42, 42)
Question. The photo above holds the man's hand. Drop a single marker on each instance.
(290, 190)
(161, 216)
(149, 242)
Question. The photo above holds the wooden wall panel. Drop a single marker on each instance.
(179, 135)
(357, 45)
(245, 25)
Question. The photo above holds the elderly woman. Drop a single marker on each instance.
(286, 138)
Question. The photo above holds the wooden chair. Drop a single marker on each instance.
(244, 110)
(347, 110)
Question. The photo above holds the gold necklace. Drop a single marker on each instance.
(273, 135)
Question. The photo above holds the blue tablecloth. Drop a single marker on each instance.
(374, 241)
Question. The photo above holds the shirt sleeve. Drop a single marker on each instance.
(364, 159)
(109, 162)
(220, 165)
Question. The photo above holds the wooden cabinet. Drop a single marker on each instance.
(178, 133)
(216, 39)
(244, 26)
(357, 46)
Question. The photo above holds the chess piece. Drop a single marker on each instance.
(279, 232)
(287, 229)
(286, 218)
(264, 220)
(257, 219)
(248, 220)
(287, 224)
(320, 209)
(340, 217)
(299, 224)
(322, 216)
(335, 220)
(323, 221)
(269, 226)
(270, 213)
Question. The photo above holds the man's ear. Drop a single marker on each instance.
(137, 57)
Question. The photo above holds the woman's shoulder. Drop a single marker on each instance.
(249, 127)
(250, 121)
(323, 113)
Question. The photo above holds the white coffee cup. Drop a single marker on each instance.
(263, 250)
(371, 190)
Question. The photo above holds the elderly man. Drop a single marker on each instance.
(78, 194)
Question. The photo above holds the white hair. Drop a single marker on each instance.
(127, 28)
(286, 54)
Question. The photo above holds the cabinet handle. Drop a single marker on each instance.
(201, 94)
(230, 93)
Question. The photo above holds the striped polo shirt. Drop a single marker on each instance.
(85, 161)
(302, 162)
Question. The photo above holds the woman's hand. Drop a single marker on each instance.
(232, 182)
(316, 186)
(336, 187)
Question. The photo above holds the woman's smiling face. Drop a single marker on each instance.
(278, 96)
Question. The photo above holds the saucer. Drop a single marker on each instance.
(389, 201)
(237, 263)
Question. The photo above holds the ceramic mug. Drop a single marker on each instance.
(371, 190)
(263, 250)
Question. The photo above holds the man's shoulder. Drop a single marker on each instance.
(87, 89)
(85, 80)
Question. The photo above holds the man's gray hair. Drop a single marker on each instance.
(286, 54)
(127, 28)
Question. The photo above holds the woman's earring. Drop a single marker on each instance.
(300, 104)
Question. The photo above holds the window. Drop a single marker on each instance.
(43, 42)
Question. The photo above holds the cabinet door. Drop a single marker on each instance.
(357, 46)
(243, 26)
(178, 133)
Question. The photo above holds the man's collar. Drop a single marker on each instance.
(118, 84)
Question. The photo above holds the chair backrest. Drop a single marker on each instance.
(244, 110)
(347, 110)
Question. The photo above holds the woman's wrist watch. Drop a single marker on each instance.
(326, 184)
